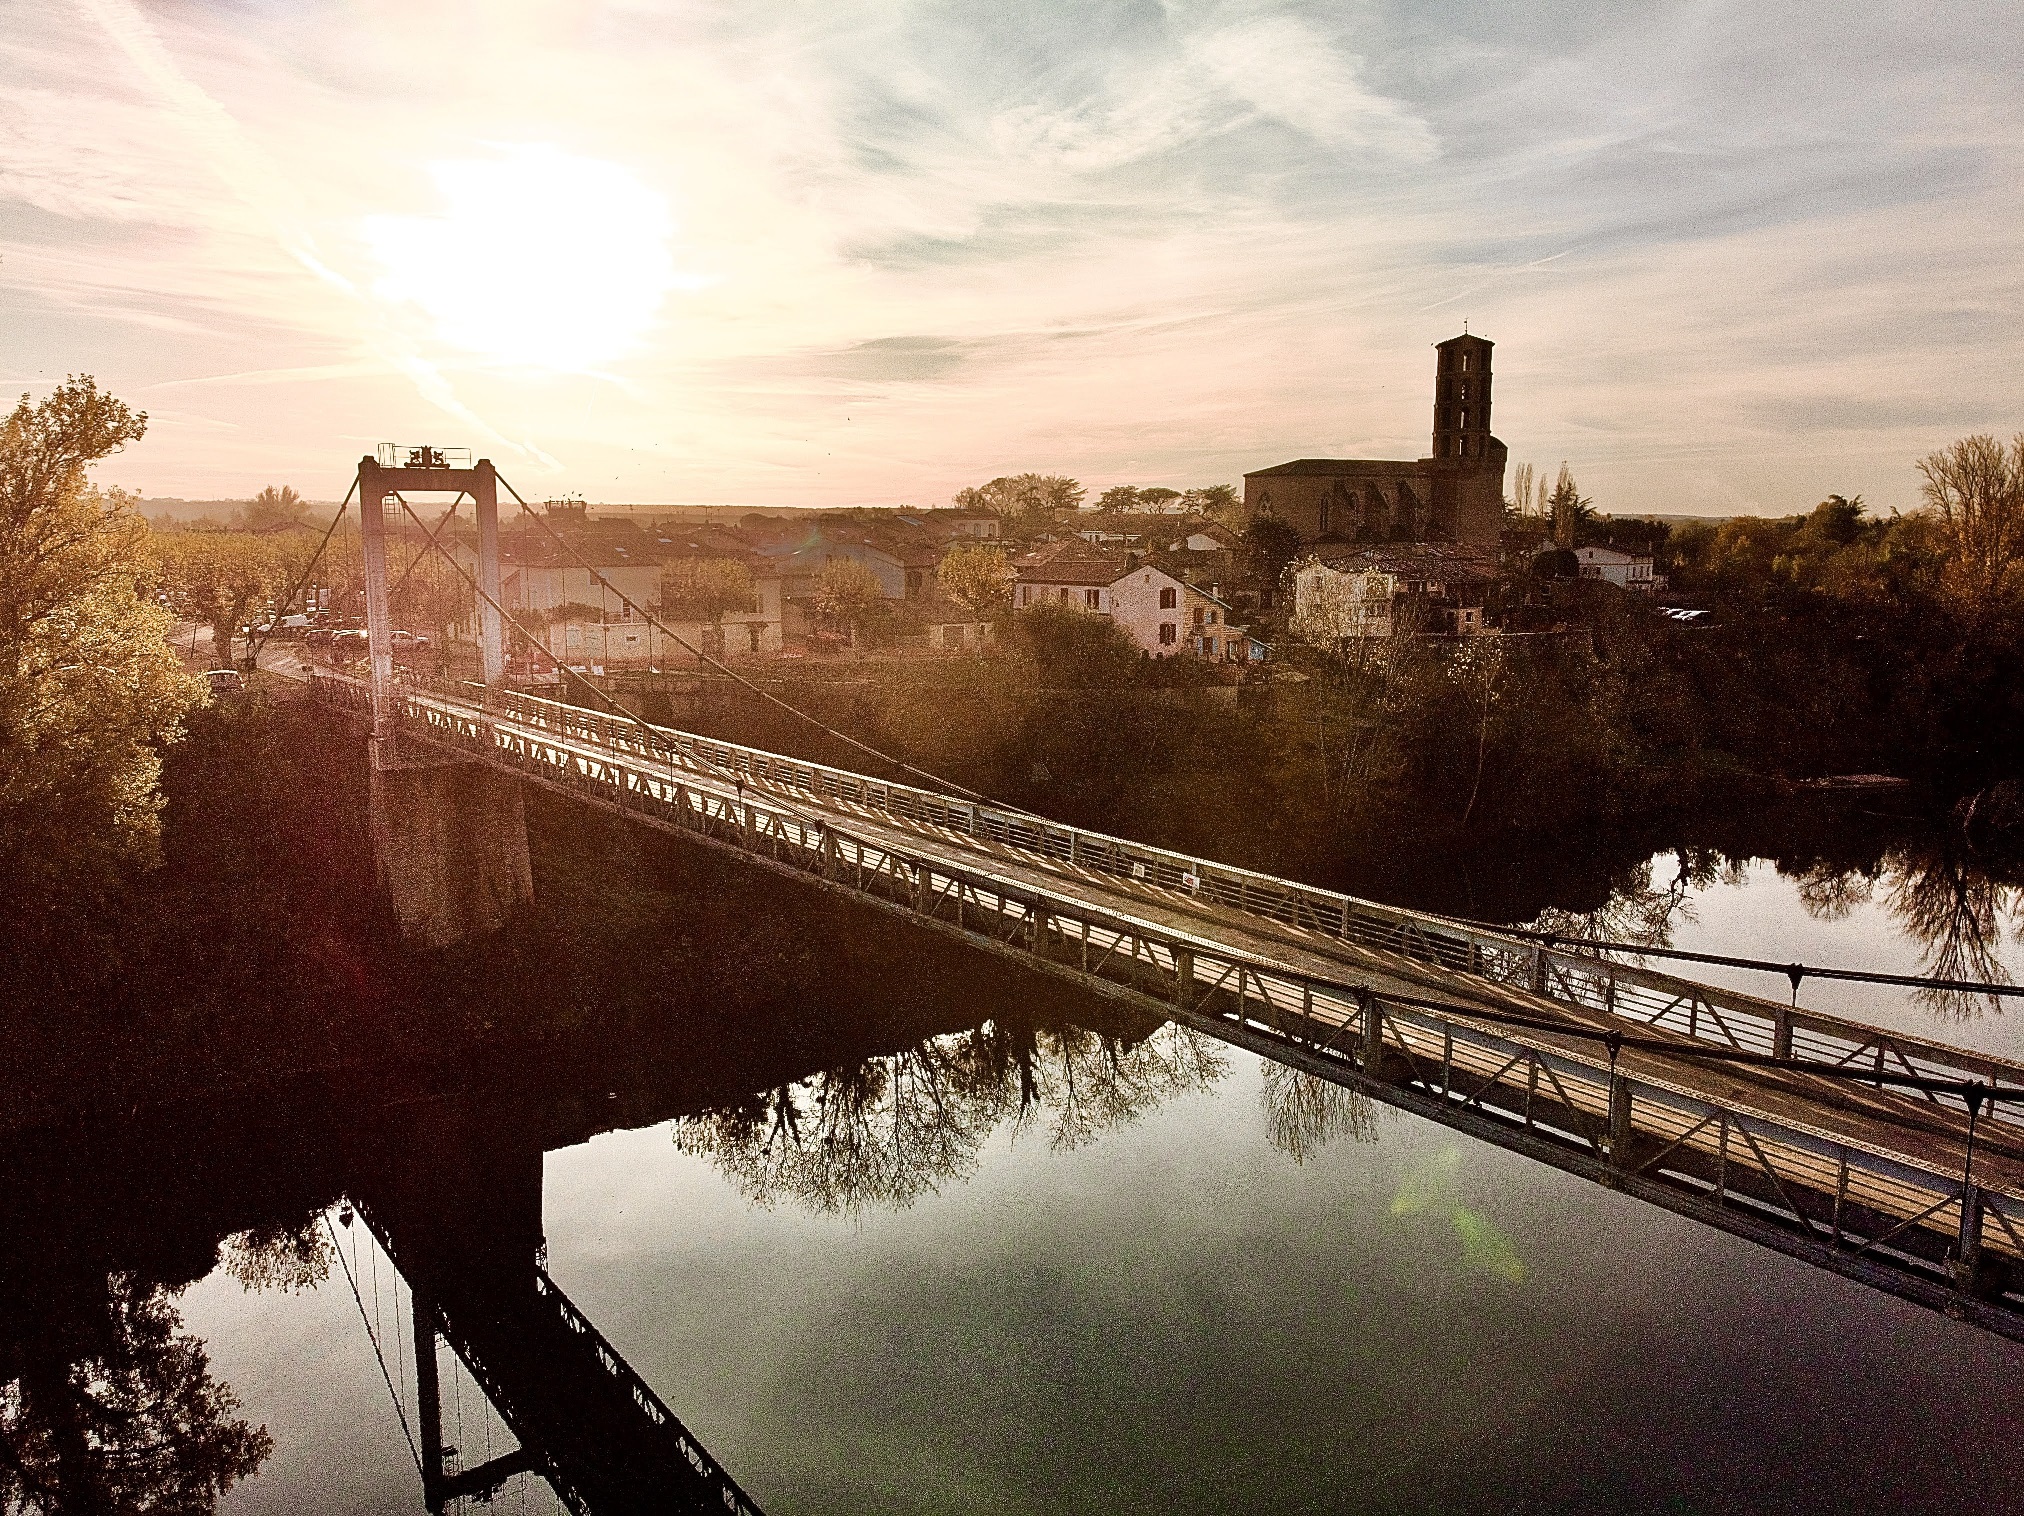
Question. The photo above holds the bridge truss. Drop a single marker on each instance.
(1599, 1069)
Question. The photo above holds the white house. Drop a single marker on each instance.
(1627, 571)
(1162, 614)
(1371, 592)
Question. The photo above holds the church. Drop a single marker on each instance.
(1457, 495)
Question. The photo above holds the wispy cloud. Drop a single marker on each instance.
(920, 243)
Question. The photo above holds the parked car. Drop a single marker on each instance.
(223, 681)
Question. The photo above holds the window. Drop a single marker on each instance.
(1167, 601)
(1461, 418)
(1198, 615)
(752, 634)
(1025, 594)
(1465, 363)
(1212, 618)
(1093, 599)
(1167, 634)
(1064, 594)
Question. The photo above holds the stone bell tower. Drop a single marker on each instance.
(1462, 399)
(1468, 461)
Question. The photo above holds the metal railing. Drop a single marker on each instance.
(1847, 1193)
(713, 1474)
(1648, 997)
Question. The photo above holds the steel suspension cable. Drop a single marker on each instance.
(655, 738)
(730, 673)
(1792, 971)
(260, 640)
(399, 1411)
(1614, 1041)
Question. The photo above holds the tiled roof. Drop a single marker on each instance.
(1414, 560)
(1072, 561)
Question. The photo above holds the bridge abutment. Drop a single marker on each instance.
(450, 845)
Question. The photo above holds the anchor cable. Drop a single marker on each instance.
(724, 668)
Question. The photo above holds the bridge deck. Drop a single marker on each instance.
(1867, 1182)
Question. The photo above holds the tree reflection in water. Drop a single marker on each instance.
(885, 1131)
(1953, 905)
(275, 1257)
(1958, 903)
(111, 1409)
(1304, 1112)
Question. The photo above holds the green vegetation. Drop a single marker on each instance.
(706, 590)
(89, 687)
(976, 577)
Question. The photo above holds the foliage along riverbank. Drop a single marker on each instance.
(1336, 763)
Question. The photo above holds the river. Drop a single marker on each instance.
(982, 1248)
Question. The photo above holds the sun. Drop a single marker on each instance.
(539, 259)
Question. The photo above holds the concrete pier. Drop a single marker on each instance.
(450, 842)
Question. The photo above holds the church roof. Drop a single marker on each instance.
(1323, 467)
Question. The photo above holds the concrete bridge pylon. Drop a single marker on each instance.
(449, 837)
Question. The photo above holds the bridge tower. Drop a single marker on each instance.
(449, 837)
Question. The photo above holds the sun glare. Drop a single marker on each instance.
(539, 258)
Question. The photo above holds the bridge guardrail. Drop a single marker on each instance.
(1856, 1205)
(1633, 992)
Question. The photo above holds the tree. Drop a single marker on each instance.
(848, 595)
(274, 509)
(432, 598)
(129, 1420)
(1269, 545)
(707, 590)
(1219, 502)
(220, 579)
(1119, 499)
(1570, 508)
(1976, 490)
(977, 577)
(89, 686)
(1156, 498)
(1024, 502)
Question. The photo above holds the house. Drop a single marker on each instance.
(1612, 565)
(574, 593)
(1163, 614)
(947, 626)
(959, 526)
(541, 570)
(1435, 587)
(1207, 537)
(751, 630)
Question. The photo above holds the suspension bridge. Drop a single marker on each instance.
(1891, 1159)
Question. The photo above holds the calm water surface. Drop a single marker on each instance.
(1172, 1278)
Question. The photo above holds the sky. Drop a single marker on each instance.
(1734, 256)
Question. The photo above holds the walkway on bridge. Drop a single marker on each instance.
(1731, 1109)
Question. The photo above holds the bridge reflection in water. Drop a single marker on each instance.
(1735, 1111)
(585, 1421)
